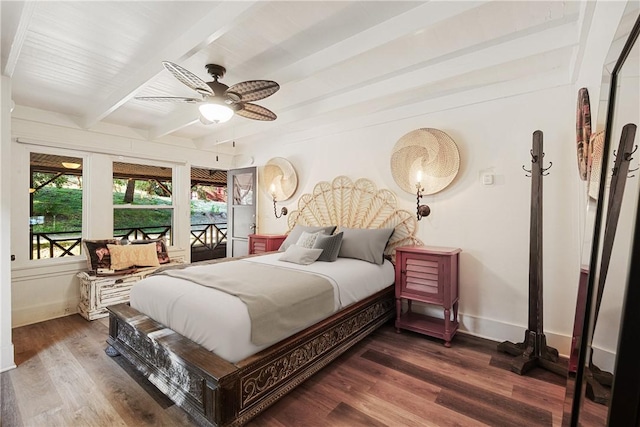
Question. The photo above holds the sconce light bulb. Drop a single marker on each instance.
(419, 177)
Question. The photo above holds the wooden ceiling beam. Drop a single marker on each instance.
(195, 36)
(18, 34)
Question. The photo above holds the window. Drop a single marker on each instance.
(142, 201)
(55, 213)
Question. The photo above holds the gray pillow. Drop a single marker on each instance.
(293, 237)
(367, 244)
(299, 255)
(330, 246)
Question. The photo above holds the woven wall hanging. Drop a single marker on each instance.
(430, 151)
(583, 132)
(280, 173)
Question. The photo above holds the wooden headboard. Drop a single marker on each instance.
(358, 204)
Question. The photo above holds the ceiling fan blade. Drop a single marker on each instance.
(253, 90)
(168, 99)
(188, 78)
(255, 112)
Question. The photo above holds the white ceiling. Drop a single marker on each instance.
(335, 61)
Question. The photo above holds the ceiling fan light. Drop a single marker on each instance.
(216, 113)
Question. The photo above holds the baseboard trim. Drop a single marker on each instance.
(43, 312)
(6, 358)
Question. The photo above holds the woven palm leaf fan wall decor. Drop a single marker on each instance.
(425, 155)
(279, 179)
(219, 102)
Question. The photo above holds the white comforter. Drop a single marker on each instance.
(220, 322)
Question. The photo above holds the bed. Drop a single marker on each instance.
(230, 391)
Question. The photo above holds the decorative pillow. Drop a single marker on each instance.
(367, 244)
(307, 240)
(293, 237)
(97, 252)
(161, 248)
(133, 255)
(299, 255)
(330, 246)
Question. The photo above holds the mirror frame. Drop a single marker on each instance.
(625, 397)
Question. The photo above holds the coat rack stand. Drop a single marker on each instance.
(599, 382)
(533, 351)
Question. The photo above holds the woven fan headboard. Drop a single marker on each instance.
(358, 204)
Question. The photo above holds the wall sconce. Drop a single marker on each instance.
(284, 210)
(421, 210)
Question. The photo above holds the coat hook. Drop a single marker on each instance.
(528, 172)
(627, 156)
(534, 158)
(546, 169)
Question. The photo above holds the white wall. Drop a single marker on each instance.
(489, 223)
(6, 346)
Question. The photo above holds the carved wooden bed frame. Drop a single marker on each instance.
(218, 393)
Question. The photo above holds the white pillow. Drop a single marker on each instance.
(299, 255)
(307, 239)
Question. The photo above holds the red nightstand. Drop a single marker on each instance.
(428, 274)
(260, 243)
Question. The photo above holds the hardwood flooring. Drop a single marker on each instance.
(64, 378)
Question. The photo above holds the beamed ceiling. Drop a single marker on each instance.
(339, 63)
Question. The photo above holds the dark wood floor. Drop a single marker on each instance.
(64, 378)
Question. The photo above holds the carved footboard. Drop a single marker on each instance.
(218, 393)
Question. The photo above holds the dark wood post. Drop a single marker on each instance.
(533, 351)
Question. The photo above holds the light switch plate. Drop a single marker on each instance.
(487, 179)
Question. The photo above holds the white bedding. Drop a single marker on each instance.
(220, 322)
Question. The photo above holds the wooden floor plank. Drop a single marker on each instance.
(64, 378)
(455, 389)
(489, 412)
(422, 405)
(345, 415)
(34, 388)
(9, 407)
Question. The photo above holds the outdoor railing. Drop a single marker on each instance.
(208, 236)
(68, 243)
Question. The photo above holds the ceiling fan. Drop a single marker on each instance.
(220, 102)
